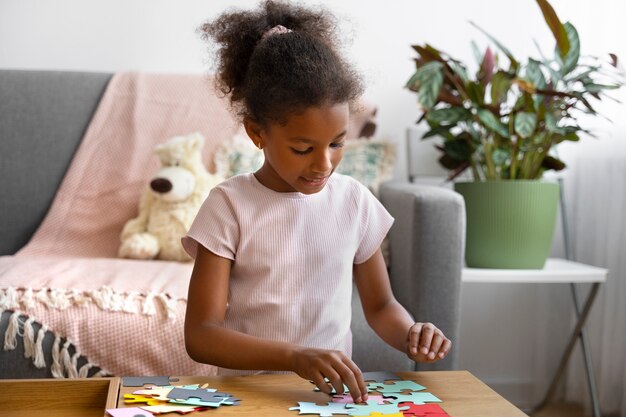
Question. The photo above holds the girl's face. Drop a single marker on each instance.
(301, 154)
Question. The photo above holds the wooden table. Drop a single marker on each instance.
(463, 395)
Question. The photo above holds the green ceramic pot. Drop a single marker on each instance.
(510, 224)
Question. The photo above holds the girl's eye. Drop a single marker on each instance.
(299, 152)
(337, 145)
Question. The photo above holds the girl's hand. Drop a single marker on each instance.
(426, 343)
(317, 364)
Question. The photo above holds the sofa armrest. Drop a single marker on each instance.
(427, 244)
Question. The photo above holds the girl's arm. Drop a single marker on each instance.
(207, 341)
(390, 320)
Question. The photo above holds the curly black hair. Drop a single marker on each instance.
(270, 78)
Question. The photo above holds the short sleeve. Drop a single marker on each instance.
(215, 227)
(375, 222)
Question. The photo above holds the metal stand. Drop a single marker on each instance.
(579, 331)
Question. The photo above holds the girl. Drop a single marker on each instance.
(276, 251)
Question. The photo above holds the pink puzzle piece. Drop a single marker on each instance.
(347, 399)
(129, 412)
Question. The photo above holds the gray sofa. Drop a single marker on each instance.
(43, 115)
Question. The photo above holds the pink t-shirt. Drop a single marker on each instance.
(293, 253)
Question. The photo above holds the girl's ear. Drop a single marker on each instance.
(254, 131)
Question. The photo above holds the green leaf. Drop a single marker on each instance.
(427, 80)
(492, 123)
(448, 116)
(597, 88)
(458, 149)
(514, 63)
(500, 85)
(458, 69)
(525, 124)
(443, 131)
(555, 25)
(571, 58)
(534, 74)
(499, 156)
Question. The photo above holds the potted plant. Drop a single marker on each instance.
(501, 125)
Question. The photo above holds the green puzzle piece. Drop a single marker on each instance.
(395, 386)
(418, 398)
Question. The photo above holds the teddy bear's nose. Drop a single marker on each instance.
(161, 185)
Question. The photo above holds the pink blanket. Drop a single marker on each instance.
(124, 315)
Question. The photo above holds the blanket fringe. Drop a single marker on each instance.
(105, 298)
(64, 365)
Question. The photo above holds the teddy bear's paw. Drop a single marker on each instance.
(139, 246)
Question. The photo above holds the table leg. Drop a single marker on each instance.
(577, 333)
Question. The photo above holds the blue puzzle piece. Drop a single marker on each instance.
(323, 410)
(418, 398)
(374, 407)
(395, 387)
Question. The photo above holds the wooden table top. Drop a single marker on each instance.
(463, 395)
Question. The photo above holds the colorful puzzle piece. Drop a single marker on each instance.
(129, 412)
(414, 397)
(140, 381)
(424, 410)
(373, 407)
(347, 399)
(380, 376)
(323, 410)
(395, 386)
(132, 398)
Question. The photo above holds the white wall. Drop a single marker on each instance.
(513, 352)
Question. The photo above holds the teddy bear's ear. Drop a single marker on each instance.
(196, 141)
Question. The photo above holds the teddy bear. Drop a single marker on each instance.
(170, 202)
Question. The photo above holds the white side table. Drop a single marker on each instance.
(555, 271)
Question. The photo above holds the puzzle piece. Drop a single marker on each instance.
(323, 410)
(201, 403)
(171, 408)
(158, 393)
(424, 410)
(414, 397)
(380, 376)
(204, 395)
(132, 398)
(140, 381)
(373, 407)
(395, 387)
(347, 399)
(129, 412)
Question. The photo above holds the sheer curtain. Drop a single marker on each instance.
(595, 200)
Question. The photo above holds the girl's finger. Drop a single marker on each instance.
(426, 337)
(445, 348)
(320, 382)
(414, 337)
(335, 380)
(435, 345)
(359, 391)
